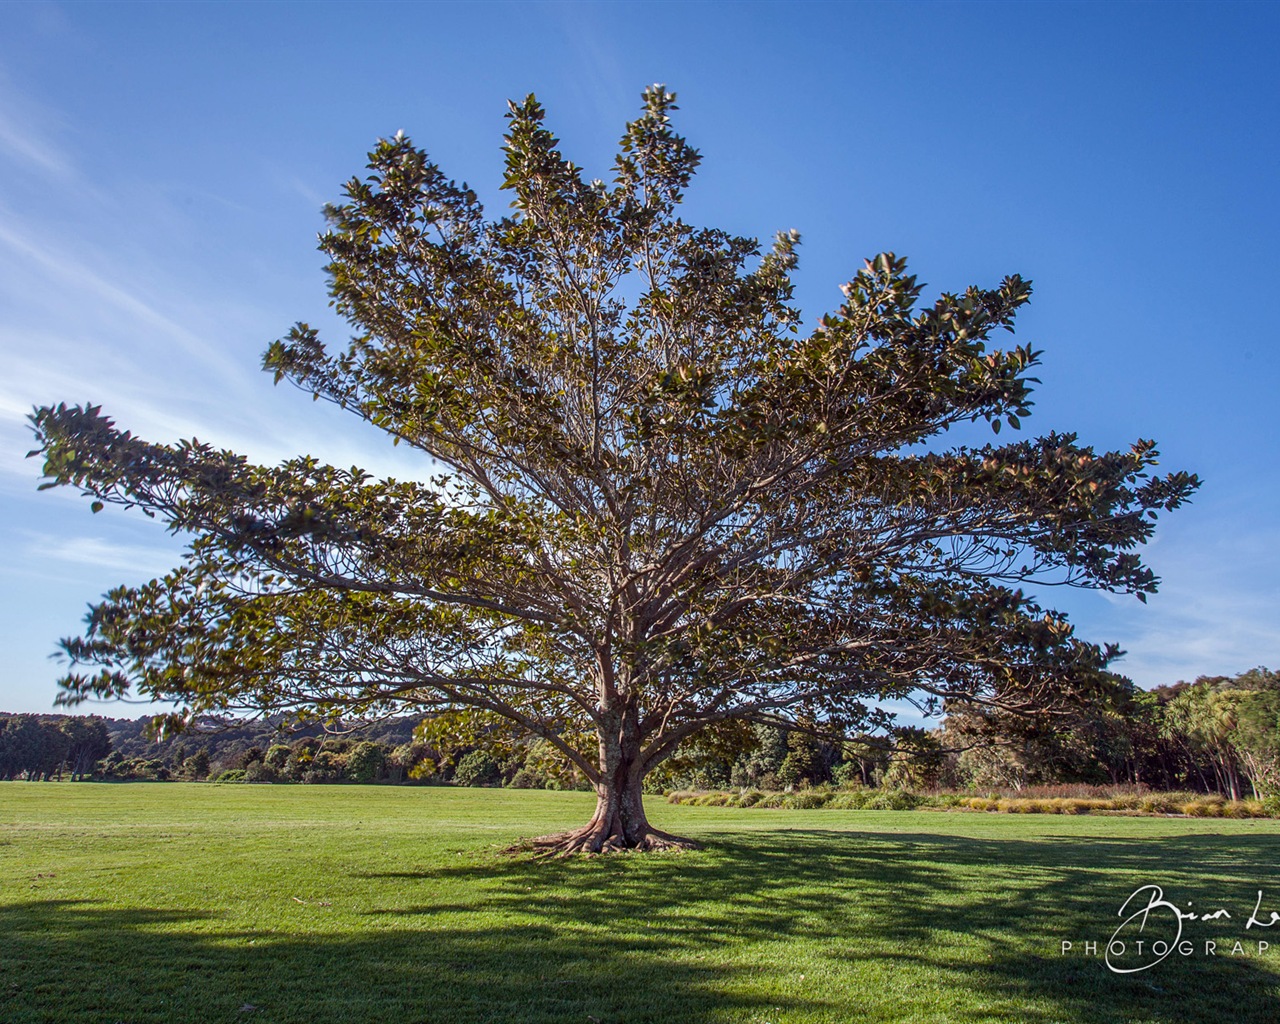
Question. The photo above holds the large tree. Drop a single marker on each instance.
(658, 506)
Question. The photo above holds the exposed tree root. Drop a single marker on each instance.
(593, 839)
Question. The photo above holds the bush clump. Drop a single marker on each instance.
(809, 799)
(478, 768)
(526, 778)
(1195, 805)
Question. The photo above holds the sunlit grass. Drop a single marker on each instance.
(149, 903)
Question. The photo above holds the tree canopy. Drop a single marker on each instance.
(651, 502)
(41, 747)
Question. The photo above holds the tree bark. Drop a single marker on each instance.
(619, 822)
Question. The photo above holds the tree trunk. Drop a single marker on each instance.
(619, 822)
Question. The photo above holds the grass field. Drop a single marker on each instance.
(167, 902)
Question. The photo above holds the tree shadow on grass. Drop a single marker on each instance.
(939, 912)
(893, 926)
(69, 961)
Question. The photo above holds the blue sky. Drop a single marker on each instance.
(162, 168)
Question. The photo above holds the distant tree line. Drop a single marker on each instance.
(224, 739)
(312, 759)
(264, 751)
(1218, 734)
(45, 747)
(48, 747)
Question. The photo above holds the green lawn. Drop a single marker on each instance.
(167, 902)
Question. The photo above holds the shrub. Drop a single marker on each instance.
(802, 763)
(277, 757)
(477, 768)
(892, 800)
(980, 803)
(526, 778)
(253, 755)
(1197, 805)
(258, 771)
(847, 774)
(326, 766)
(423, 770)
(364, 763)
(1157, 803)
(231, 775)
(809, 799)
(197, 765)
(1092, 805)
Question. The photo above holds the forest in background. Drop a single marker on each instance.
(1219, 735)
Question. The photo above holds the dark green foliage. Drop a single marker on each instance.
(1219, 734)
(1256, 738)
(258, 771)
(477, 768)
(919, 761)
(88, 743)
(215, 745)
(42, 747)
(524, 778)
(760, 765)
(277, 756)
(253, 755)
(325, 766)
(802, 762)
(196, 767)
(365, 762)
(225, 739)
(863, 760)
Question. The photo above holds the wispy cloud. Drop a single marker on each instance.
(86, 281)
(600, 80)
(25, 136)
(312, 195)
(1215, 613)
(135, 559)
